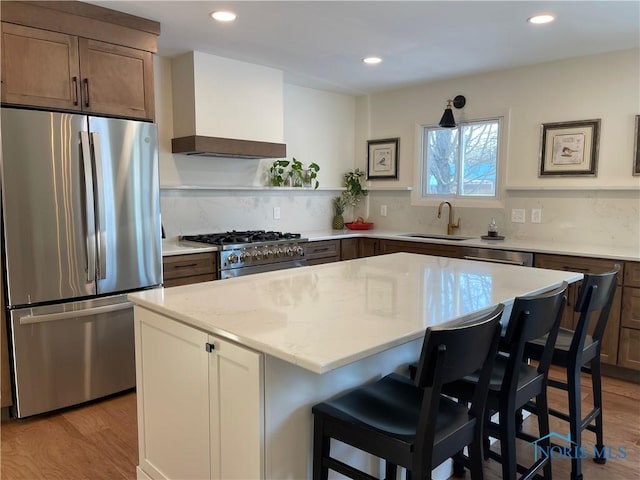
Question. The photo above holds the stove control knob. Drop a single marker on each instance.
(277, 252)
(232, 258)
(290, 251)
(299, 250)
(267, 253)
(257, 254)
(245, 256)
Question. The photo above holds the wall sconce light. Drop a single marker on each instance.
(447, 120)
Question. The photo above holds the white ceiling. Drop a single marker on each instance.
(320, 44)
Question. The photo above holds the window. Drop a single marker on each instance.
(461, 161)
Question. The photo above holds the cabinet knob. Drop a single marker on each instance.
(209, 347)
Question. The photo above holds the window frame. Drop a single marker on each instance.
(497, 201)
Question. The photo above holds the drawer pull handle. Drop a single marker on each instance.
(576, 269)
(186, 265)
(315, 250)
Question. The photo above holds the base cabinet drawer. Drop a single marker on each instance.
(323, 251)
(439, 250)
(189, 268)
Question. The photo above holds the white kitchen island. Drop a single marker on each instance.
(227, 371)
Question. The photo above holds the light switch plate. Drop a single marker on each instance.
(536, 215)
(276, 213)
(383, 210)
(518, 215)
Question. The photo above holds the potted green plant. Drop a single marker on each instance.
(354, 192)
(278, 172)
(295, 174)
(310, 175)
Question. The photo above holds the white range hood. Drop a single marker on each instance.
(227, 108)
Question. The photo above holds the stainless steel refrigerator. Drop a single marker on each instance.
(81, 227)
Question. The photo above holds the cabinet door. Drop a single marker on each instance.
(172, 368)
(348, 249)
(39, 68)
(629, 356)
(236, 395)
(368, 247)
(116, 80)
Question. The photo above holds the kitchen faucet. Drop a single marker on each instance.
(450, 224)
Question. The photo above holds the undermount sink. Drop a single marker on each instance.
(437, 237)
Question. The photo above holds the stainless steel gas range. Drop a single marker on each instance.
(254, 251)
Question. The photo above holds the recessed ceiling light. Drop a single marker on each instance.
(371, 60)
(540, 19)
(223, 16)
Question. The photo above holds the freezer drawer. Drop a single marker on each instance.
(70, 353)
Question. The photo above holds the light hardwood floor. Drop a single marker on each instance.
(99, 440)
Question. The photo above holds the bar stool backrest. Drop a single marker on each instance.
(596, 293)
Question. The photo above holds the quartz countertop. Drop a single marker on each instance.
(613, 252)
(326, 316)
(176, 247)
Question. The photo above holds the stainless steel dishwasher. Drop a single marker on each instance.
(498, 256)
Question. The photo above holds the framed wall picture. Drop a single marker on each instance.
(382, 159)
(636, 147)
(569, 148)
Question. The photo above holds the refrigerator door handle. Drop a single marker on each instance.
(90, 216)
(52, 317)
(102, 234)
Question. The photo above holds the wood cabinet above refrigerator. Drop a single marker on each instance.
(79, 57)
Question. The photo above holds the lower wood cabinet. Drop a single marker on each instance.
(629, 348)
(439, 250)
(200, 403)
(323, 251)
(349, 248)
(189, 268)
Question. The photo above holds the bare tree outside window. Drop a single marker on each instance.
(462, 161)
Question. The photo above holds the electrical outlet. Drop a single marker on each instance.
(536, 215)
(518, 215)
(383, 210)
(276, 213)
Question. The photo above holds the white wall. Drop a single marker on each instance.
(318, 127)
(332, 130)
(603, 86)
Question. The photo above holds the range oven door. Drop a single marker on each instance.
(238, 272)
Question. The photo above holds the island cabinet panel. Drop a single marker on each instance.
(629, 354)
(439, 250)
(236, 405)
(200, 403)
(609, 348)
(172, 378)
(189, 268)
(323, 251)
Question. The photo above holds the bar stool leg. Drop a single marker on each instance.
(543, 428)
(508, 442)
(596, 381)
(575, 419)
(321, 449)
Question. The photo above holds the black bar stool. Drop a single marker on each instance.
(513, 382)
(577, 352)
(413, 425)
